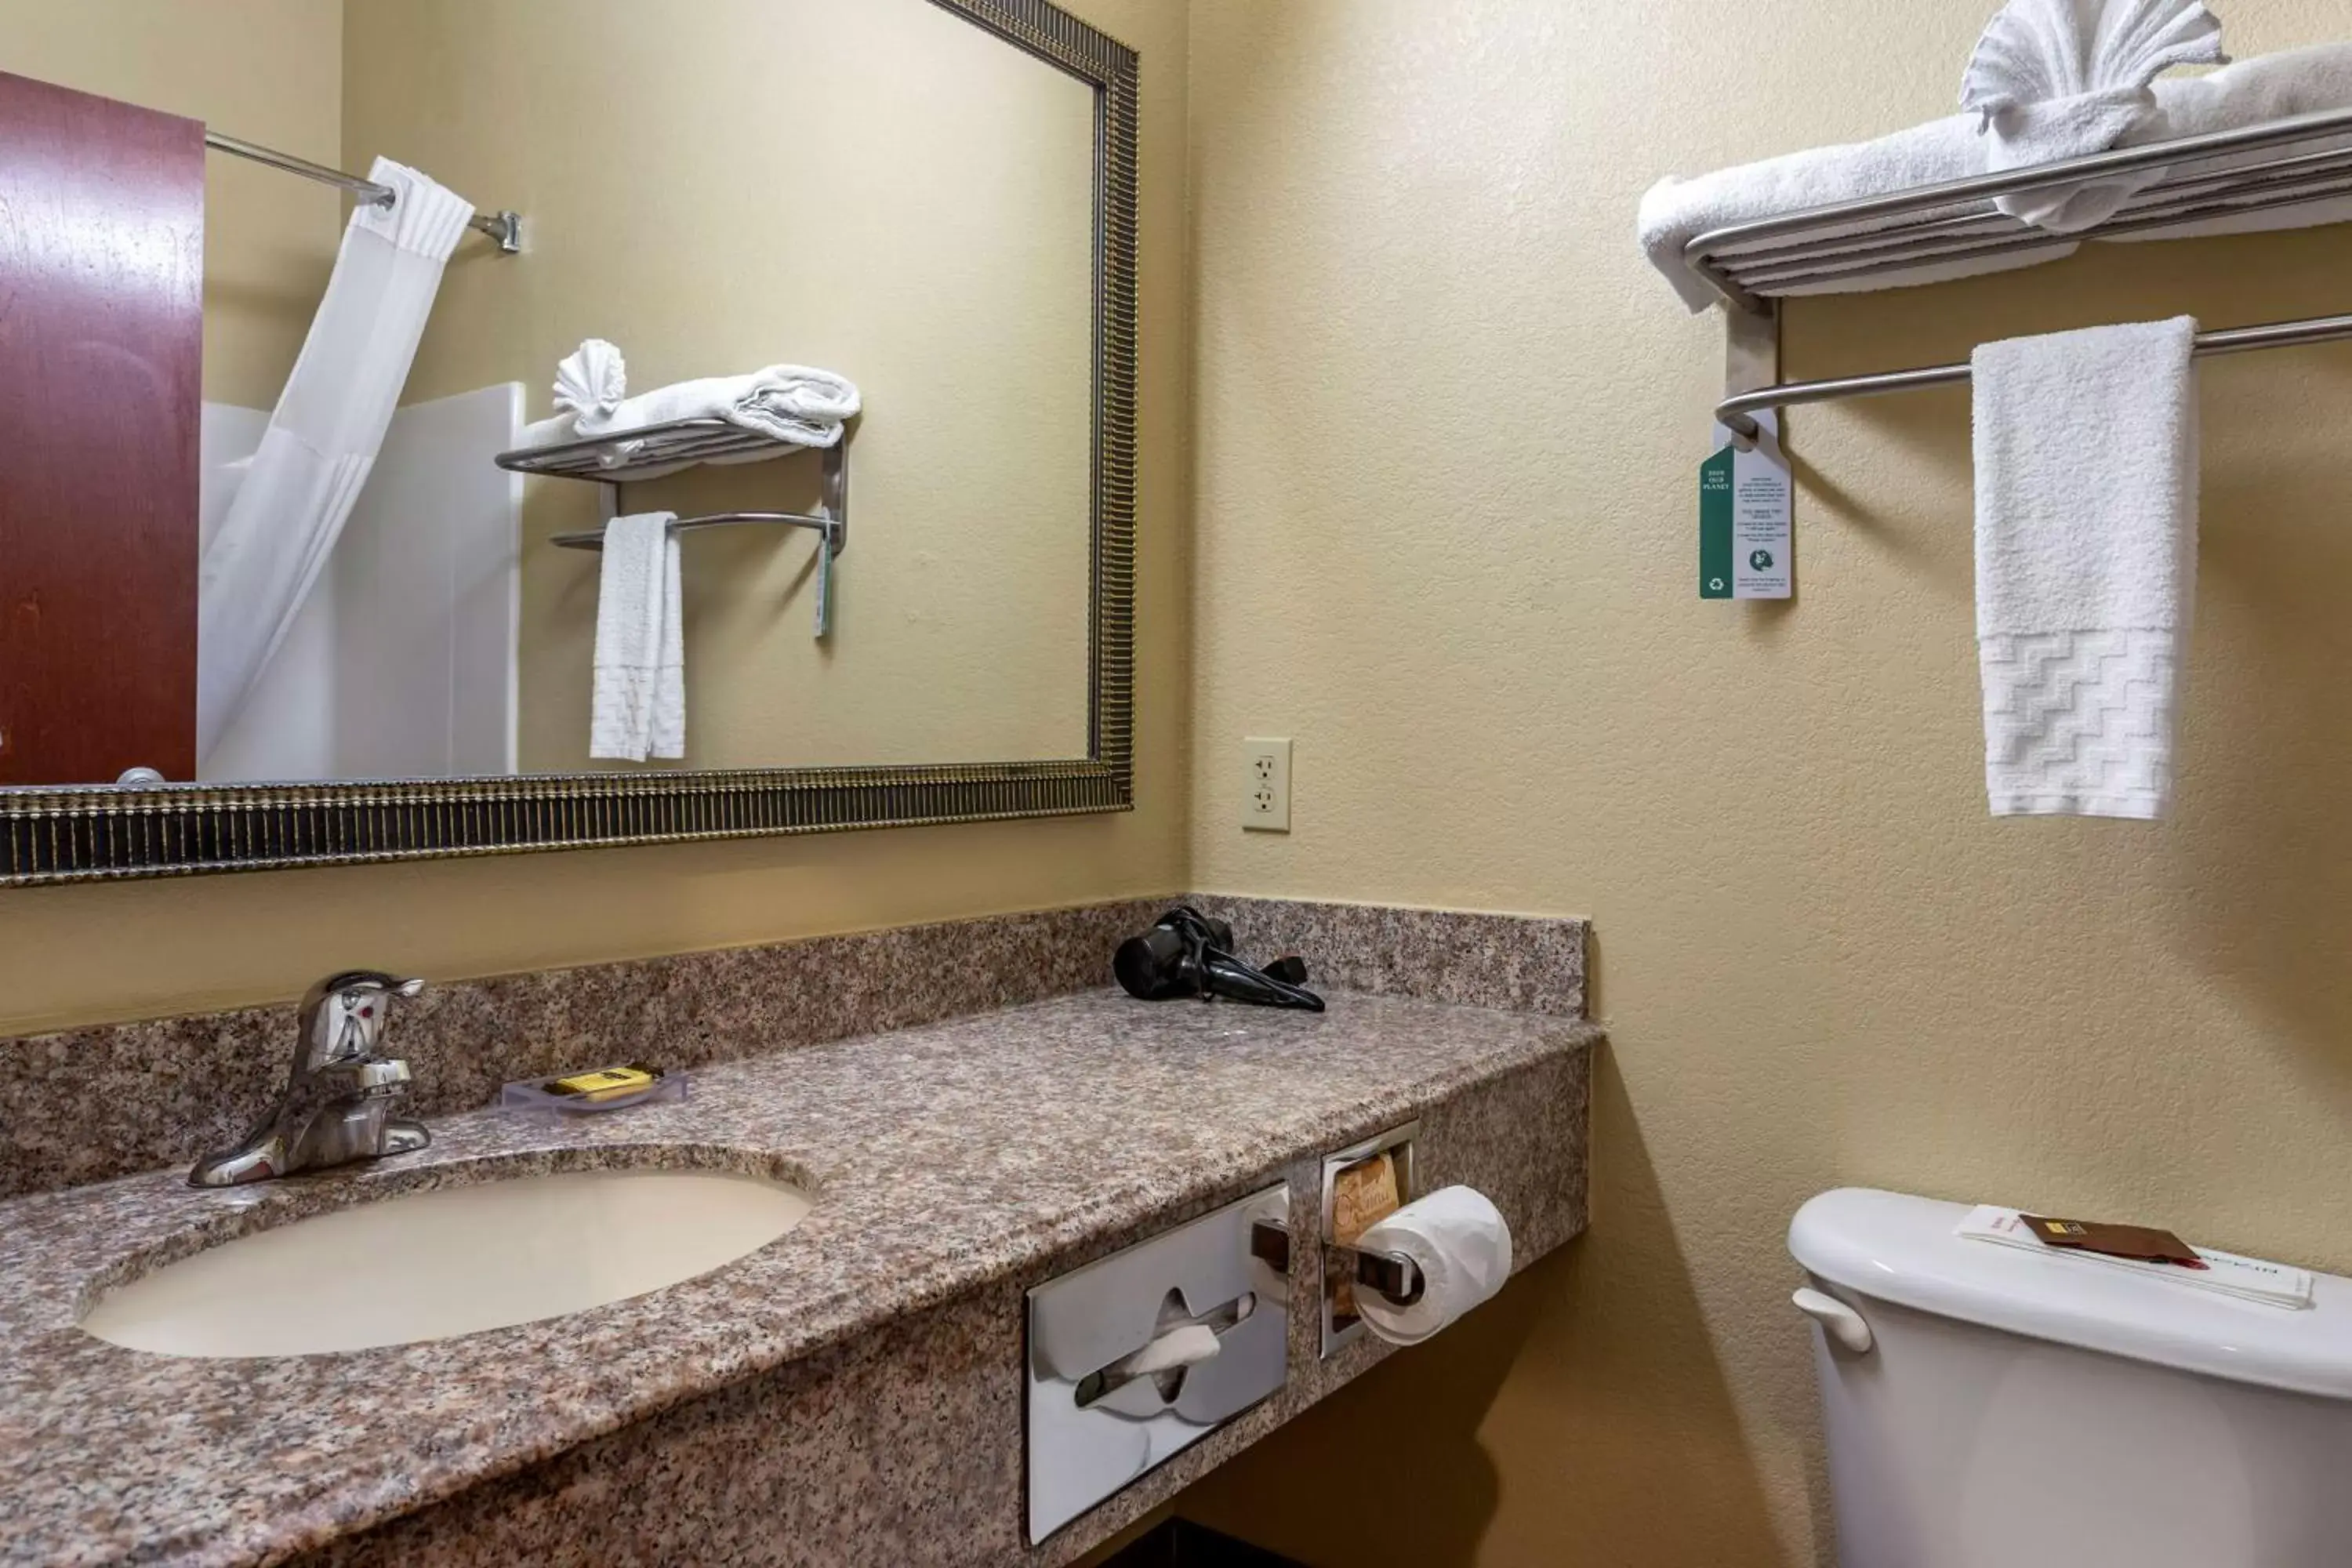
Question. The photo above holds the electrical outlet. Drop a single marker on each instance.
(1266, 785)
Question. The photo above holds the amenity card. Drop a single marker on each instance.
(1744, 511)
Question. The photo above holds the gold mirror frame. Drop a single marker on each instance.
(93, 832)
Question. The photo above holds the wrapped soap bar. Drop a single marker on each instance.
(599, 1090)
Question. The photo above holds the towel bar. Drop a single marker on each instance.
(836, 532)
(1735, 413)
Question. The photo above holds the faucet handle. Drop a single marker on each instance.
(344, 1015)
(373, 980)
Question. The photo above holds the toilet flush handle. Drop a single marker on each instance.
(1837, 1320)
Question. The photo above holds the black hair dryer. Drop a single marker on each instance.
(1188, 954)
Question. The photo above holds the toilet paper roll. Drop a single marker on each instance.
(1462, 1245)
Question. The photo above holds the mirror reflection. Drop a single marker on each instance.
(770, 446)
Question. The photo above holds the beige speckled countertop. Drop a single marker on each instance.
(941, 1158)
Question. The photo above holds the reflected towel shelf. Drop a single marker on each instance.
(651, 451)
(655, 450)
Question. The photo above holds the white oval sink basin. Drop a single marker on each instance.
(456, 1260)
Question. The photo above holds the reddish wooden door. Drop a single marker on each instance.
(102, 354)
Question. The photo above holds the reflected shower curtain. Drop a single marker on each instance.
(322, 439)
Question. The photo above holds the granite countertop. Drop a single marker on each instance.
(939, 1158)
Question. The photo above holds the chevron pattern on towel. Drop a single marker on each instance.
(2079, 721)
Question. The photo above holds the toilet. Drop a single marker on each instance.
(1992, 1407)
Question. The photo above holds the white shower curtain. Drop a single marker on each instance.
(295, 496)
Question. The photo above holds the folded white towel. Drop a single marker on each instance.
(2087, 564)
(1676, 211)
(591, 381)
(2052, 79)
(2225, 1273)
(783, 402)
(553, 431)
(638, 703)
(2251, 92)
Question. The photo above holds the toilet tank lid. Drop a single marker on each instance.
(1900, 1249)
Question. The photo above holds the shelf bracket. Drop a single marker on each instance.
(1752, 353)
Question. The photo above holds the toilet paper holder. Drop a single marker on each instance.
(1394, 1275)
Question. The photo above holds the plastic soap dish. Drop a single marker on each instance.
(536, 1096)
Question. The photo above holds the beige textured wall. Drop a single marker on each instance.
(1420, 310)
(880, 188)
(1447, 431)
(265, 70)
(71, 954)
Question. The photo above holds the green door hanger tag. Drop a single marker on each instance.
(1745, 510)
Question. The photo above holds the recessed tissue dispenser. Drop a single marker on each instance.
(1138, 1355)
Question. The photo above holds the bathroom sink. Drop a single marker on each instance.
(455, 1260)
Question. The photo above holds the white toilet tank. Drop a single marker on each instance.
(2016, 1409)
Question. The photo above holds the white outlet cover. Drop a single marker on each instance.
(1265, 784)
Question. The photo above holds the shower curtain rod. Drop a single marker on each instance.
(1737, 415)
(506, 228)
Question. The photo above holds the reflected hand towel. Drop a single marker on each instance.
(638, 702)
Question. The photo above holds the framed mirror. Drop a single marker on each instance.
(890, 579)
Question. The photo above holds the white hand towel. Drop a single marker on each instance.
(2052, 79)
(2225, 1273)
(1461, 1244)
(638, 703)
(2087, 564)
(2251, 92)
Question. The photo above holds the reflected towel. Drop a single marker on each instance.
(638, 701)
(591, 380)
(783, 402)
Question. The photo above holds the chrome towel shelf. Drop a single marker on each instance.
(616, 457)
(1847, 242)
(2219, 175)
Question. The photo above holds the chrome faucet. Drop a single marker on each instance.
(339, 1100)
